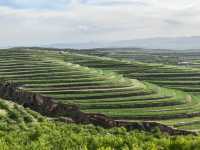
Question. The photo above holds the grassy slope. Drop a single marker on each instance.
(94, 90)
(155, 73)
(22, 128)
(58, 136)
(13, 116)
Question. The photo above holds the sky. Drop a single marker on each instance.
(37, 22)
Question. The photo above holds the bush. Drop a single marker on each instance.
(58, 136)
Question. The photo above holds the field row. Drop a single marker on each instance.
(101, 85)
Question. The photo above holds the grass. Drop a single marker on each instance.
(120, 89)
(48, 135)
(15, 116)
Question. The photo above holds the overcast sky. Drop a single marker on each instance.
(25, 22)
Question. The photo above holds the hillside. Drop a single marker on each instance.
(45, 93)
(104, 85)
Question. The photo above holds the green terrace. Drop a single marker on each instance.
(116, 88)
(176, 77)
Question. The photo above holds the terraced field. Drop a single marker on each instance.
(188, 58)
(108, 86)
(177, 77)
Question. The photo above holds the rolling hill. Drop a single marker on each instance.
(119, 89)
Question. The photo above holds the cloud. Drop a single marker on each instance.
(35, 4)
(113, 2)
(46, 21)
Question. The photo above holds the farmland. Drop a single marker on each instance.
(119, 89)
(98, 82)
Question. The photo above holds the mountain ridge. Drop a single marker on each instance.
(178, 43)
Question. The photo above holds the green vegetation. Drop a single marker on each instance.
(62, 76)
(58, 136)
(120, 88)
(13, 116)
(23, 129)
(94, 84)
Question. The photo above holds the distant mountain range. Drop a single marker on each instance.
(151, 43)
